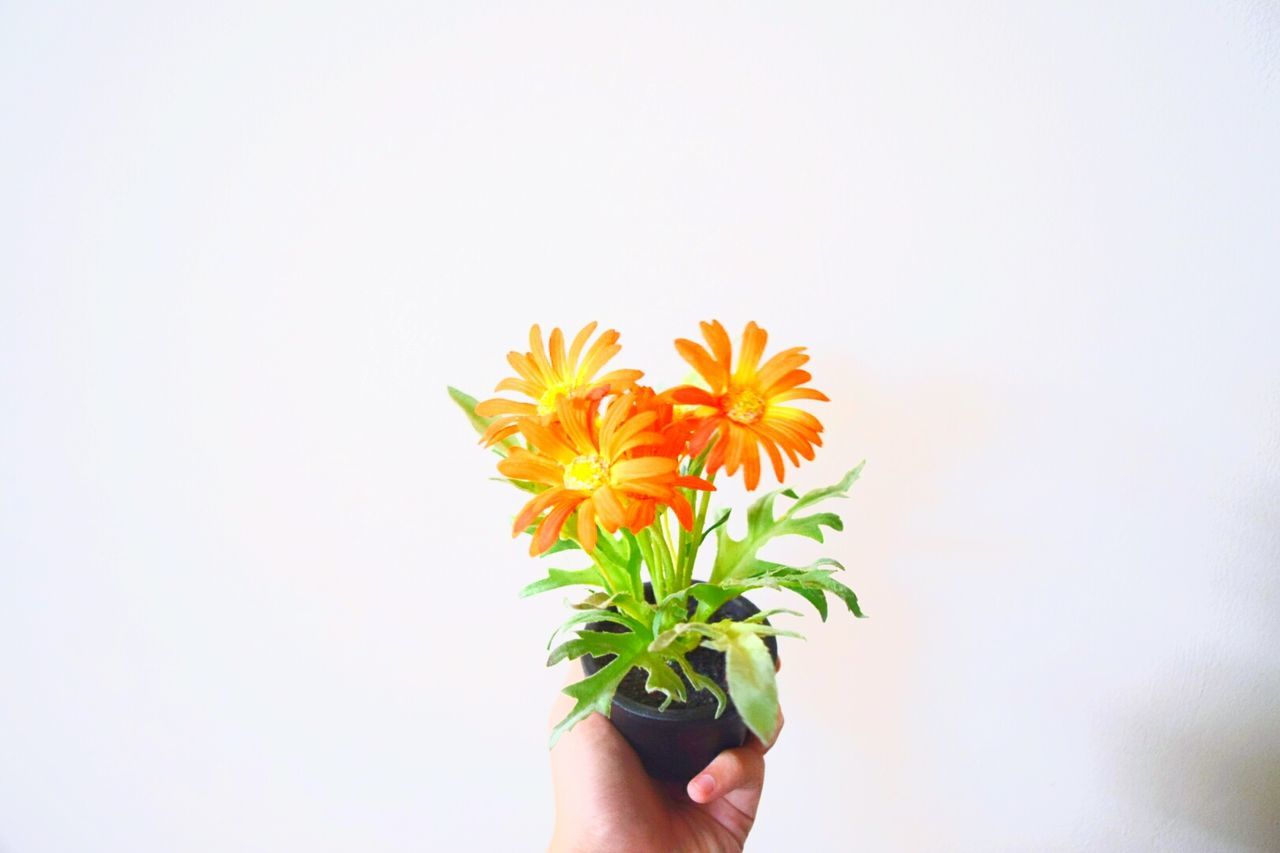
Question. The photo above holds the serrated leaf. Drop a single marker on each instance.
(812, 583)
(582, 617)
(597, 643)
(557, 578)
(825, 581)
(593, 693)
(814, 597)
(703, 682)
(738, 558)
(662, 678)
(837, 490)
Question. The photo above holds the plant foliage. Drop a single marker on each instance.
(619, 477)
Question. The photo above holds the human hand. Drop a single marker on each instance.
(606, 802)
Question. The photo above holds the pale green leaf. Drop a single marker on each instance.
(597, 643)
(557, 578)
(750, 673)
(468, 405)
(738, 558)
(702, 682)
(582, 617)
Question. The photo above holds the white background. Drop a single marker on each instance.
(257, 594)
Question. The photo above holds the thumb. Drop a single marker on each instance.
(729, 788)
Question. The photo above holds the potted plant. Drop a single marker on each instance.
(622, 475)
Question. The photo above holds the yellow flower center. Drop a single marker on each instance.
(547, 402)
(585, 473)
(744, 405)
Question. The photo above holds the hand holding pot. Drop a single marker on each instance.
(606, 802)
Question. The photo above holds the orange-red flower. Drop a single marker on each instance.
(597, 466)
(674, 429)
(744, 406)
(548, 374)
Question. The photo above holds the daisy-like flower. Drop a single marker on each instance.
(674, 428)
(744, 406)
(595, 466)
(548, 374)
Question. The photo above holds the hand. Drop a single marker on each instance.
(606, 802)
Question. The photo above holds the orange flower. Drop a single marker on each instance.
(547, 375)
(597, 466)
(745, 405)
(674, 430)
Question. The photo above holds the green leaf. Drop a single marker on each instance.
(522, 485)
(814, 597)
(767, 630)
(597, 643)
(839, 490)
(823, 580)
(584, 616)
(557, 546)
(812, 583)
(662, 678)
(562, 545)
(593, 693)
(772, 611)
(632, 565)
(737, 558)
(750, 671)
(664, 640)
(702, 682)
(468, 405)
(557, 578)
(721, 518)
(603, 601)
(711, 596)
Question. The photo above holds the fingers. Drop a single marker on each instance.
(734, 770)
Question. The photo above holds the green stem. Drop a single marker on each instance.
(695, 536)
(662, 551)
(656, 577)
(672, 554)
(691, 540)
(633, 608)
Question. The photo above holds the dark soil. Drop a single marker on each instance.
(704, 660)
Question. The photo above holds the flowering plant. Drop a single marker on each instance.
(608, 463)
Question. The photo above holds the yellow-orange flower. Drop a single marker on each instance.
(744, 405)
(594, 465)
(548, 374)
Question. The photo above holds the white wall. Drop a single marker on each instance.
(255, 589)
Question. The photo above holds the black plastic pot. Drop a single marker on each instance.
(677, 743)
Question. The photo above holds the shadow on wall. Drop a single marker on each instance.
(1208, 747)
(1218, 768)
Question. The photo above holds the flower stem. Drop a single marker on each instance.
(695, 536)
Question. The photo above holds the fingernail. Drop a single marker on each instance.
(705, 784)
